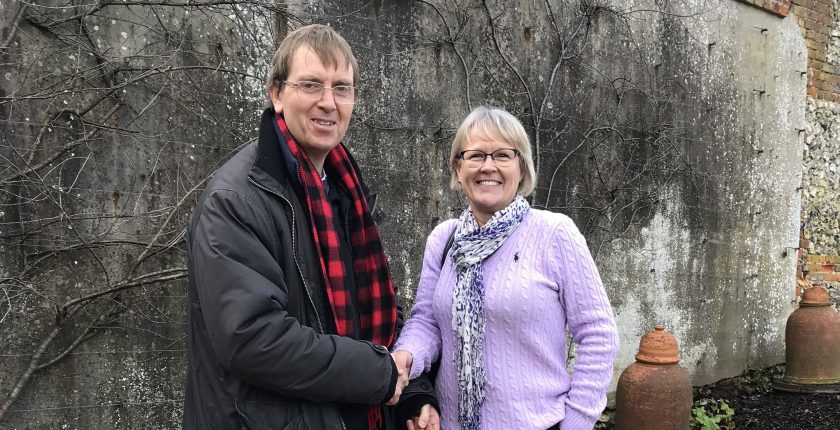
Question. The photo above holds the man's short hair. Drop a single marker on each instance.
(331, 48)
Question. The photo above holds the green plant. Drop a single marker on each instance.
(711, 414)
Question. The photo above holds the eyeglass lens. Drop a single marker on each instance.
(499, 156)
(315, 91)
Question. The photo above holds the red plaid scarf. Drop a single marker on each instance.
(376, 300)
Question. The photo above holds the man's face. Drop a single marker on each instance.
(317, 125)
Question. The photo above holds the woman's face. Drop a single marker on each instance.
(489, 185)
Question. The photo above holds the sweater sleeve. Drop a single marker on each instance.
(591, 322)
(421, 334)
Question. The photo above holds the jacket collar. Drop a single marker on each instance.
(276, 167)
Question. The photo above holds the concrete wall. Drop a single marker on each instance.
(715, 263)
(123, 114)
(672, 137)
(674, 144)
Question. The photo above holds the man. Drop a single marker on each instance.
(291, 305)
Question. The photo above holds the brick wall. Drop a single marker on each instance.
(822, 270)
(817, 18)
(778, 7)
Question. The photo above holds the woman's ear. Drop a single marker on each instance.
(456, 167)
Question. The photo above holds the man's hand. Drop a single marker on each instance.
(403, 361)
(429, 419)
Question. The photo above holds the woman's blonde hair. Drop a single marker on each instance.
(498, 124)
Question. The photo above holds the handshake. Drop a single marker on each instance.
(428, 418)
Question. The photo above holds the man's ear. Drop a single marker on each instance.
(276, 95)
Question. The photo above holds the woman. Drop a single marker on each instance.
(497, 308)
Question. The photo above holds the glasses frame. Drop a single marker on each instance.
(492, 155)
(320, 94)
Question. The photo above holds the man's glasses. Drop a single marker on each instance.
(312, 91)
(501, 157)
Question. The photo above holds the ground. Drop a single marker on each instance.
(757, 405)
(775, 410)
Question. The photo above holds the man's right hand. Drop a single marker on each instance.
(403, 360)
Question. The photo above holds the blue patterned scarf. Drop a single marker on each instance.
(472, 245)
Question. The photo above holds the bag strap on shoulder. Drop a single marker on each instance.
(447, 247)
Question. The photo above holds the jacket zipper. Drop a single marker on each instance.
(294, 252)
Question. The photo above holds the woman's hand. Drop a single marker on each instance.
(403, 359)
(429, 419)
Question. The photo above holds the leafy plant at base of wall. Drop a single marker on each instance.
(711, 414)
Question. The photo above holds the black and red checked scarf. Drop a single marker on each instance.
(377, 307)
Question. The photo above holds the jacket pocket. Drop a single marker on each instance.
(270, 416)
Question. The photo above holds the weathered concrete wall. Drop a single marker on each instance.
(669, 136)
(121, 114)
(698, 235)
(714, 264)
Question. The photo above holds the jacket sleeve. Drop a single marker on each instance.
(418, 393)
(590, 320)
(243, 297)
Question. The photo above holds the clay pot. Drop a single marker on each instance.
(812, 340)
(654, 392)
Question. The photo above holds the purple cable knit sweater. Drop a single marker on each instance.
(539, 282)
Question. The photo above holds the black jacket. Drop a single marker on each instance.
(262, 354)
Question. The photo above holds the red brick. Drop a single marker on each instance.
(804, 4)
(820, 37)
(823, 9)
(778, 7)
(823, 260)
(826, 277)
(801, 22)
(812, 90)
(821, 18)
(821, 28)
(816, 54)
(831, 78)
